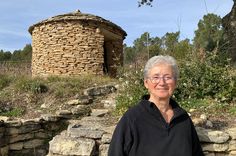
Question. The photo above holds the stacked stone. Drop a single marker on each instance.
(31, 137)
(73, 44)
(22, 137)
(218, 143)
(67, 49)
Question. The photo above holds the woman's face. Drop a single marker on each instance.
(161, 82)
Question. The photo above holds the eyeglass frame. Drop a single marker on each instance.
(165, 79)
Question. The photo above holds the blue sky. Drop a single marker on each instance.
(165, 16)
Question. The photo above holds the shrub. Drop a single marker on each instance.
(132, 89)
(31, 85)
(4, 81)
(199, 81)
(15, 112)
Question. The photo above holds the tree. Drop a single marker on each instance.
(5, 56)
(170, 40)
(23, 55)
(145, 2)
(209, 34)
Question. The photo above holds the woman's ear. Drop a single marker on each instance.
(145, 81)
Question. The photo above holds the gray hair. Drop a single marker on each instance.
(161, 59)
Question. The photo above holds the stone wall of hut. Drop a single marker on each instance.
(74, 48)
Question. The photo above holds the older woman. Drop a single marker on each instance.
(157, 125)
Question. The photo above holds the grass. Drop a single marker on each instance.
(26, 94)
(16, 112)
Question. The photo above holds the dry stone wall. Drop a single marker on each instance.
(76, 43)
(89, 135)
(67, 49)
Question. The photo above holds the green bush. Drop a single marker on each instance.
(199, 81)
(132, 89)
(15, 112)
(31, 85)
(4, 81)
(203, 79)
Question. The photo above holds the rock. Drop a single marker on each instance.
(33, 143)
(232, 145)
(215, 147)
(84, 100)
(103, 149)
(22, 137)
(209, 124)
(232, 153)
(73, 102)
(204, 117)
(192, 110)
(98, 91)
(16, 146)
(64, 145)
(50, 117)
(106, 138)
(199, 122)
(99, 112)
(4, 151)
(206, 135)
(109, 104)
(4, 118)
(64, 112)
(232, 132)
(84, 132)
(81, 110)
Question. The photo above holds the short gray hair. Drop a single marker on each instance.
(161, 59)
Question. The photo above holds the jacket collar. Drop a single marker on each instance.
(178, 111)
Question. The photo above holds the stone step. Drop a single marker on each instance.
(99, 112)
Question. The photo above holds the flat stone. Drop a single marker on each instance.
(4, 118)
(232, 145)
(215, 147)
(64, 145)
(16, 146)
(50, 117)
(99, 112)
(103, 149)
(33, 143)
(64, 112)
(84, 132)
(81, 110)
(22, 137)
(206, 135)
(232, 132)
(109, 104)
(106, 138)
(4, 151)
(73, 102)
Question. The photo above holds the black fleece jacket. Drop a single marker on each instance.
(142, 131)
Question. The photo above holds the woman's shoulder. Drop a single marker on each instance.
(135, 111)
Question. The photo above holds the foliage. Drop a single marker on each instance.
(146, 46)
(4, 81)
(132, 89)
(200, 80)
(145, 2)
(15, 112)
(210, 34)
(31, 85)
(18, 55)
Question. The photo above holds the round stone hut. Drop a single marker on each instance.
(75, 44)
